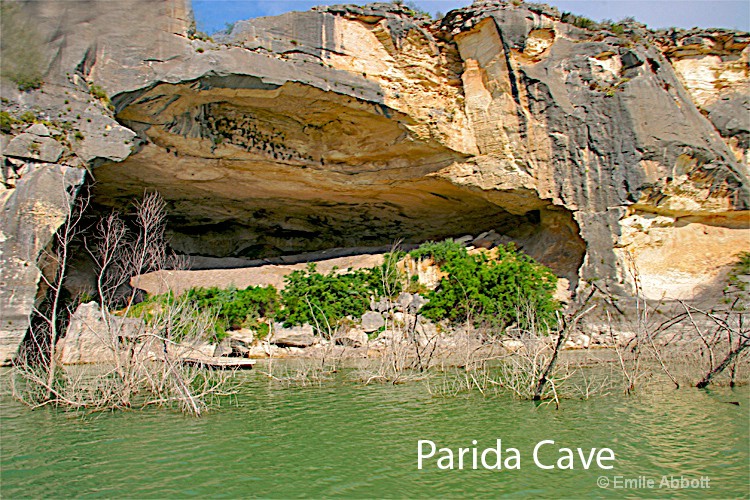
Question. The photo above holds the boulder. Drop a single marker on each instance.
(90, 340)
(382, 305)
(38, 129)
(30, 213)
(417, 301)
(403, 300)
(296, 336)
(372, 321)
(241, 342)
(352, 337)
(35, 147)
(411, 302)
(224, 348)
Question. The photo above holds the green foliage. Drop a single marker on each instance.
(740, 268)
(28, 117)
(199, 35)
(233, 308)
(617, 29)
(579, 21)
(237, 308)
(324, 300)
(495, 292)
(440, 252)
(28, 82)
(99, 93)
(416, 10)
(6, 122)
(150, 307)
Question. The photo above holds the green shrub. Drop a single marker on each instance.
(579, 21)
(740, 268)
(6, 122)
(494, 292)
(98, 92)
(237, 308)
(28, 117)
(28, 82)
(324, 300)
(440, 252)
(233, 308)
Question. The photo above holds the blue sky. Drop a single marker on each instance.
(212, 15)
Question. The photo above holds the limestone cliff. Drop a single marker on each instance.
(357, 126)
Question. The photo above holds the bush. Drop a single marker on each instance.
(6, 122)
(237, 309)
(491, 291)
(579, 21)
(28, 82)
(233, 308)
(324, 300)
(28, 117)
(440, 252)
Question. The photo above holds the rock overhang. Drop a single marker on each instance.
(256, 170)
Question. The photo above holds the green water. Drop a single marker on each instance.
(345, 440)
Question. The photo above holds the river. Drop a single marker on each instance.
(348, 440)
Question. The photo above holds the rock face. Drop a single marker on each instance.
(358, 126)
(714, 66)
(31, 211)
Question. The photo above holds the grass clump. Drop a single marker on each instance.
(27, 82)
(27, 117)
(740, 268)
(579, 21)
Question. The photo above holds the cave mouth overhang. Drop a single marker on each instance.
(255, 171)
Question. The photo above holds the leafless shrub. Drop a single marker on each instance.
(144, 366)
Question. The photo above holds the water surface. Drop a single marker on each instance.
(349, 440)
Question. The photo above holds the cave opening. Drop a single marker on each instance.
(283, 174)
